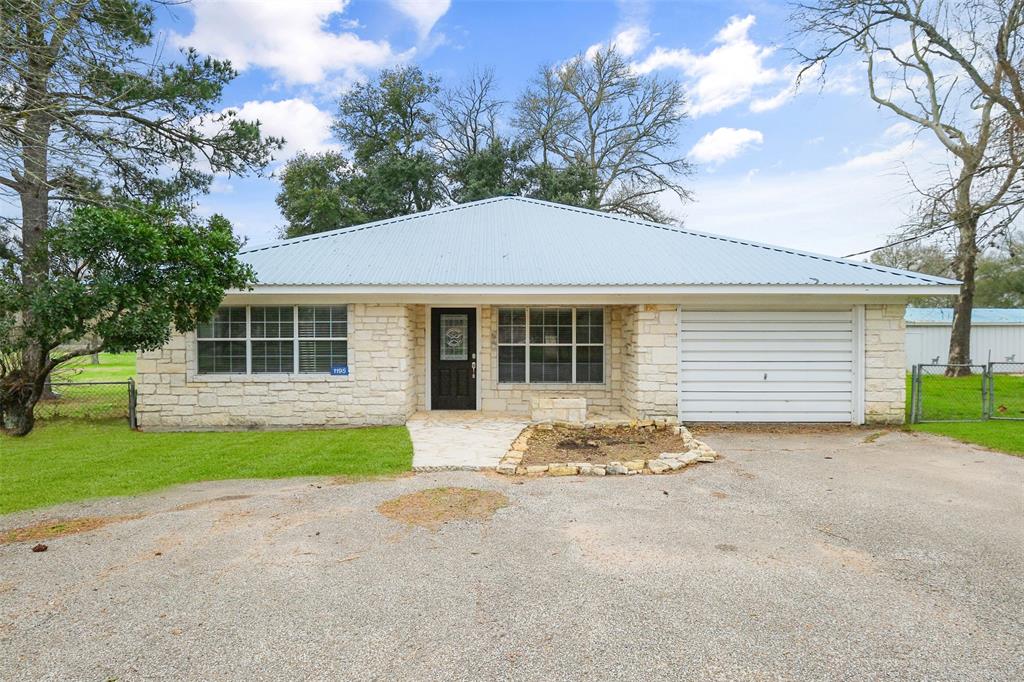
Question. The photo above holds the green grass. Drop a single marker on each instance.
(960, 398)
(64, 460)
(112, 367)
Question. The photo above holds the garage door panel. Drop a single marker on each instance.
(768, 387)
(773, 334)
(766, 366)
(768, 417)
(747, 316)
(765, 356)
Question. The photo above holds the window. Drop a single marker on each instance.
(221, 342)
(274, 339)
(551, 345)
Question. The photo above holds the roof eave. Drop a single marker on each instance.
(895, 290)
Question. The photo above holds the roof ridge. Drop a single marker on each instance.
(366, 226)
(744, 242)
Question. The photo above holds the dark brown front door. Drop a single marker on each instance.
(453, 359)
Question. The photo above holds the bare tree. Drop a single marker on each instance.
(467, 116)
(952, 68)
(596, 112)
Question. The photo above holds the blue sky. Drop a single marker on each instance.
(818, 168)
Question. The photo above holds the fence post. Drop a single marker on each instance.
(988, 394)
(132, 419)
(915, 392)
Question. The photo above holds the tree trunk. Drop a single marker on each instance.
(960, 336)
(17, 408)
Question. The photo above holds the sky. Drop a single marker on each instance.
(817, 168)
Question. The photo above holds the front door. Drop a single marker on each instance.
(453, 359)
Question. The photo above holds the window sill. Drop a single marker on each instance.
(549, 385)
(269, 378)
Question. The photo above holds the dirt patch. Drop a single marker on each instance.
(599, 446)
(48, 530)
(202, 503)
(436, 506)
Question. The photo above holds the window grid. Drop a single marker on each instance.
(508, 341)
(225, 321)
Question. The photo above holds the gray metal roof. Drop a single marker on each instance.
(979, 316)
(514, 241)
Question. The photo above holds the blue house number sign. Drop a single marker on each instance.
(339, 370)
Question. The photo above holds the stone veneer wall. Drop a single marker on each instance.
(381, 388)
(651, 365)
(885, 371)
(601, 398)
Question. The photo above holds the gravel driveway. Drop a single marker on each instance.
(796, 556)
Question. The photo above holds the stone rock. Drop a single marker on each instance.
(675, 430)
(521, 471)
(597, 470)
(689, 458)
(634, 465)
(563, 470)
(519, 445)
(671, 455)
(616, 468)
(658, 466)
(506, 468)
(706, 458)
(584, 468)
(536, 468)
(592, 443)
(546, 426)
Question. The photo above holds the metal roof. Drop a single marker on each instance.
(515, 241)
(979, 316)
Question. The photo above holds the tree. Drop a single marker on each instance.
(953, 69)
(321, 192)
(118, 279)
(596, 112)
(1000, 267)
(388, 124)
(89, 117)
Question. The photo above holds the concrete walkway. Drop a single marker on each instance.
(456, 440)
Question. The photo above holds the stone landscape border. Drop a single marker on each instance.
(666, 462)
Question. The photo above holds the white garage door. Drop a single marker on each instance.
(766, 366)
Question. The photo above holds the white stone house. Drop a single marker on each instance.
(518, 305)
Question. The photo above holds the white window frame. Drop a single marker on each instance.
(295, 339)
(573, 345)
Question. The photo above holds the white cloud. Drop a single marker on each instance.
(304, 126)
(423, 13)
(631, 40)
(291, 39)
(837, 209)
(724, 143)
(725, 76)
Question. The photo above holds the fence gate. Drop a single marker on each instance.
(89, 400)
(982, 392)
(1006, 390)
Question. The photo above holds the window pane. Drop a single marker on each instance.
(320, 356)
(550, 364)
(272, 356)
(454, 328)
(276, 322)
(550, 325)
(589, 325)
(512, 325)
(511, 364)
(323, 321)
(589, 364)
(227, 323)
(221, 357)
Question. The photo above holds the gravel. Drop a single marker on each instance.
(795, 556)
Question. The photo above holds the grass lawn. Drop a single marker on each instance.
(112, 367)
(66, 460)
(960, 398)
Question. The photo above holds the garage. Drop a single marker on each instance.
(768, 366)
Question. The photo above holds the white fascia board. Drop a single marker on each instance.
(639, 293)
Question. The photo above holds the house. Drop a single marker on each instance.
(997, 335)
(518, 305)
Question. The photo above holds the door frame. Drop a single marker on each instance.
(428, 351)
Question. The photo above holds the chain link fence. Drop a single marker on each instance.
(1006, 390)
(89, 400)
(967, 393)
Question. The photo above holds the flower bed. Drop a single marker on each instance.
(603, 449)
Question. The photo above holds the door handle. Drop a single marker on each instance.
(472, 366)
